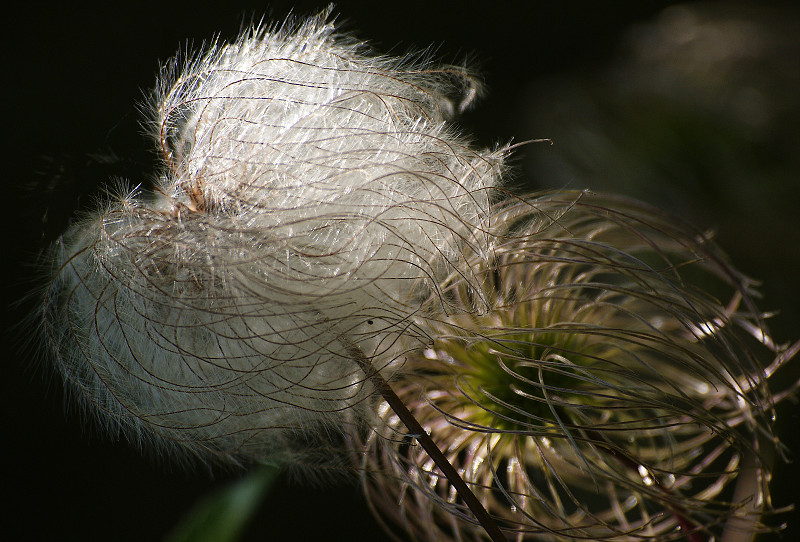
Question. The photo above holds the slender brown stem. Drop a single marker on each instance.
(430, 447)
(691, 530)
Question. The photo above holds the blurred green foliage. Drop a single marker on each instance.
(223, 516)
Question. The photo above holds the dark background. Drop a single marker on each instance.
(72, 79)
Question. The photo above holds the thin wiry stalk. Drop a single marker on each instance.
(412, 425)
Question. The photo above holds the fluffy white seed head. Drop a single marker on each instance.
(312, 197)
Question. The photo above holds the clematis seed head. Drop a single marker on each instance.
(616, 388)
(305, 185)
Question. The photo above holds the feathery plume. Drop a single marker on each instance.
(306, 187)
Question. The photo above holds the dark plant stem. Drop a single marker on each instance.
(430, 447)
(692, 534)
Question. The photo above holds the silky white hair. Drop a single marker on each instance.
(312, 196)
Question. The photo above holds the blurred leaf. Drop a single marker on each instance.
(222, 516)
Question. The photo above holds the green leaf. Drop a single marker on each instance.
(222, 516)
